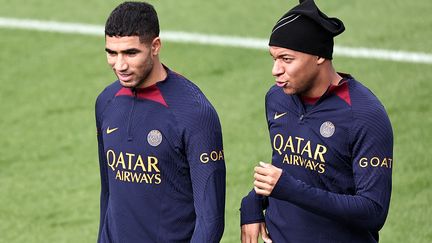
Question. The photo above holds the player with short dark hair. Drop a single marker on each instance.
(133, 19)
(332, 141)
(161, 156)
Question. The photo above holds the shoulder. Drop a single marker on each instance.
(367, 109)
(364, 102)
(107, 95)
(274, 91)
(181, 89)
(277, 98)
(185, 99)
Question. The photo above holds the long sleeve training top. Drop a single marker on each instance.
(337, 159)
(161, 162)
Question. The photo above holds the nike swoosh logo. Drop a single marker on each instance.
(111, 130)
(277, 116)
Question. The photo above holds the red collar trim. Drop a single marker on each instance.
(149, 93)
(341, 90)
(309, 100)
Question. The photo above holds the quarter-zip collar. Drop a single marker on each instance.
(341, 90)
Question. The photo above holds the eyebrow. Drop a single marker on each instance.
(282, 55)
(127, 51)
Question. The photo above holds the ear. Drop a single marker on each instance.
(320, 60)
(156, 46)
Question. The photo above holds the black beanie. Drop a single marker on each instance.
(306, 29)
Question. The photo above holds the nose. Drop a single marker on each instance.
(277, 69)
(120, 63)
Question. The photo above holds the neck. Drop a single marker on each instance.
(326, 76)
(158, 73)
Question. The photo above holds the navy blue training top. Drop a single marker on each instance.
(161, 164)
(337, 159)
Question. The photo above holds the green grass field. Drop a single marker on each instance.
(49, 174)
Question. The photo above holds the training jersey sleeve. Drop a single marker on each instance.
(204, 151)
(102, 164)
(253, 205)
(372, 154)
(252, 208)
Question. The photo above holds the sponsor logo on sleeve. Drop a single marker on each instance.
(365, 162)
(212, 156)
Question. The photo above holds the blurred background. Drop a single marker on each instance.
(49, 172)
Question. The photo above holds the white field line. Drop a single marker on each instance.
(186, 37)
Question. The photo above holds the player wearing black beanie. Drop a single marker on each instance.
(330, 176)
(306, 29)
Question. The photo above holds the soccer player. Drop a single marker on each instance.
(332, 141)
(160, 144)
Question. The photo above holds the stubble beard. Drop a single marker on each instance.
(148, 67)
(146, 74)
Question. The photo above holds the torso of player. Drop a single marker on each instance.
(312, 146)
(142, 149)
(148, 171)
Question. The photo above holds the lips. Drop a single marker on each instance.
(281, 83)
(124, 76)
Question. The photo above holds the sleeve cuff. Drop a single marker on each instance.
(282, 189)
(251, 210)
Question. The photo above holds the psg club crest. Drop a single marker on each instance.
(327, 129)
(154, 138)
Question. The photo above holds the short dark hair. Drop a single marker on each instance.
(133, 19)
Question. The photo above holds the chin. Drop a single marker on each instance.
(289, 91)
(128, 84)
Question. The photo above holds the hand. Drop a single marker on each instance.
(266, 176)
(250, 233)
